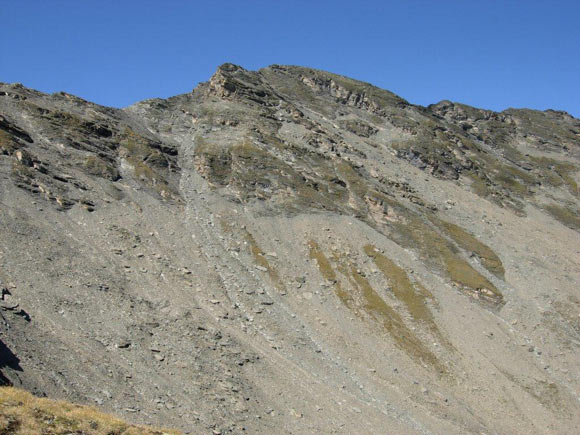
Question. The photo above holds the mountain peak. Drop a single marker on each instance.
(283, 240)
(229, 67)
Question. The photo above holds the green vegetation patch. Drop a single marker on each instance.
(260, 172)
(213, 162)
(413, 295)
(557, 173)
(145, 159)
(262, 261)
(365, 302)
(97, 166)
(375, 306)
(566, 215)
(7, 144)
(359, 128)
(328, 273)
(502, 183)
(546, 393)
(468, 242)
(507, 183)
(409, 230)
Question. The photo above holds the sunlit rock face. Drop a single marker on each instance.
(292, 251)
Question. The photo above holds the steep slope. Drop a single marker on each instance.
(294, 251)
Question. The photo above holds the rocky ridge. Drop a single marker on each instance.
(292, 250)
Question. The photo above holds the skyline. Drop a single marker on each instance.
(493, 56)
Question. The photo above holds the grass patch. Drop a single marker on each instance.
(566, 216)
(557, 173)
(412, 295)
(255, 172)
(213, 162)
(23, 413)
(7, 144)
(381, 312)
(365, 302)
(328, 273)
(506, 184)
(409, 230)
(546, 393)
(100, 168)
(468, 242)
(262, 261)
(148, 163)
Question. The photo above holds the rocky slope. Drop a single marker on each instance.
(293, 251)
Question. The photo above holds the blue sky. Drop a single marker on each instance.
(487, 53)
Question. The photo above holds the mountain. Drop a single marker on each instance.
(293, 251)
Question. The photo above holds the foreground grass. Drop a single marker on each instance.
(23, 413)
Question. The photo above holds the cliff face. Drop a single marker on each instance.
(293, 251)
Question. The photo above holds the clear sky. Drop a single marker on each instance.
(488, 53)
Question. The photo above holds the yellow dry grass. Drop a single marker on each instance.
(364, 301)
(263, 262)
(468, 242)
(24, 414)
(412, 294)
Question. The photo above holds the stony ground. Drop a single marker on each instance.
(291, 251)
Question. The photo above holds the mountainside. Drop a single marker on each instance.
(293, 251)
